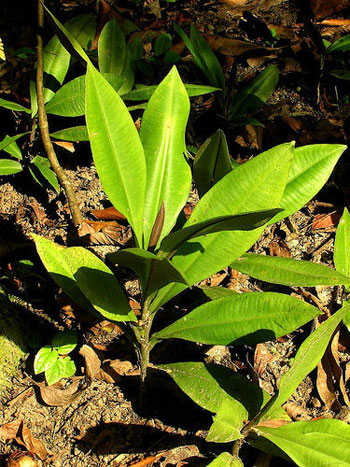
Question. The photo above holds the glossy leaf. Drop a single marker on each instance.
(13, 106)
(69, 100)
(9, 167)
(143, 93)
(44, 167)
(75, 133)
(310, 169)
(111, 48)
(249, 221)
(128, 72)
(44, 359)
(228, 422)
(255, 93)
(214, 293)
(212, 162)
(13, 149)
(162, 134)
(318, 443)
(247, 318)
(209, 385)
(117, 150)
(85, 278)
(341, 45)
(65, 342)
(288, 271)
(342, 245)
(62, 368)
(225, 459)
(11, 139)
(153, 271)
(309, 354)
(256, 185)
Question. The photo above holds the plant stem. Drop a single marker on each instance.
(44, 126)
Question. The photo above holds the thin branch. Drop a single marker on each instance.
(44, 126)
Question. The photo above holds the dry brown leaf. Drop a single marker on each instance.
(273, 423)
(101, 233)
(334, 22)
(324, 221)
(296, 411)
(57, 394)
(324, 8)
(66, 145)
(92, 362)
(177, 455)
(9, 430)
(262, 357)
(108, 214)
(216, 279)
(279, 248)
(22, 459)
(19, 432)
(236, 47)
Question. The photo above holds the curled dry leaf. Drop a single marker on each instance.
(57, 394)
(19, 432)
(324, 221)
(102, 233)
(66, 145)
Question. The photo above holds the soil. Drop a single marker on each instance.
(103, 423)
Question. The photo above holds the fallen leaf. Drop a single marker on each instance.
(324, 221)
(92, 363)
(57, 394)
(296, 411)
(22, 459)
(216, 279)
(102, 233)
(236, 47)
(19, 432)
(324, 8)
(273, 423)
(108, 214)
(66, 145)
(279, 248)
(177, 455)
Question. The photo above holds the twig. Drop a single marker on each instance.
(44, 126)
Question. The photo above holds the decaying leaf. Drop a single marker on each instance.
(16, 430)
(22, 459)
(102, 233)
(58, 394)
(324, 221)
(108, 214)
(324, 8)
(66, 145)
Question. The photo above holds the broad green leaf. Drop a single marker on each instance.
(128, 72)
(111, 48)
(247, 318)
(69, 100)
(225, 459)
(153, 271)
(74, 133)
(214, 293)
(249, 221)
(62, 368)
(143, 93)
(9, 167)
(309, 354)
(85, 278)
(253, 186)
(162, 44)
(13, 106)
(11, 139)
(318, 443)
(65, 342)
(209, 385)
(56, 58)
(12, 149)
(162, 134)
(341, 45)
(228, 422)
(288, 271)
(44, 359)
(341, 74)
(255, 93)
(212, 162)
(311, 167)
(44, 167)
(116, 148)
(342, 245)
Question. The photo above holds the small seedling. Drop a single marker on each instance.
(53, 360)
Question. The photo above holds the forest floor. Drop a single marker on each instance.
(98, 422)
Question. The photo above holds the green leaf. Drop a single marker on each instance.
(209, 385)
(318, 443)
(341, 45)
(44, 167)
(255, 93)
(128, 72)
(65, 342)
(214, 293)
(111, 48)
(162, 44)
(212, 162)
(116, 148)
(247, 318)
(74, 133)
(12, 149)
(256, 185)
(11, 139)
(9, 167)
(162, 134)
(225, 459)
(342, 245)
(149, 267)
(44, 359)
(203, 57)
(288, 271)
(310, 169)
(62, 368)
(13, 106)
(228, 422)
(309, 354)
(69, 100)
(341, 74)
(249, 221)
(143, 93)
(85, 278)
